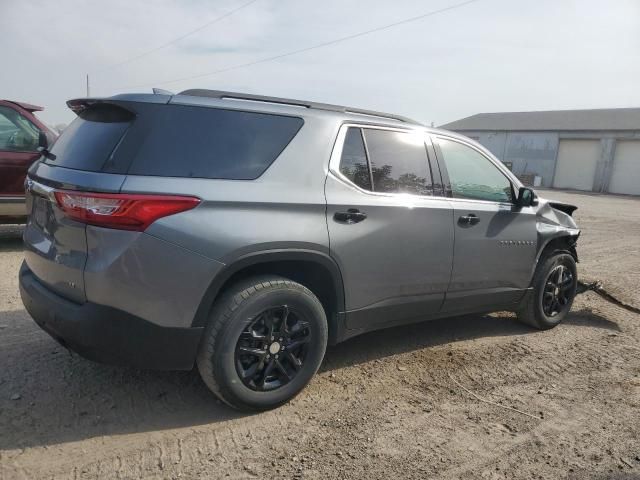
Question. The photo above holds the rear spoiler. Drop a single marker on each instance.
(78, 105)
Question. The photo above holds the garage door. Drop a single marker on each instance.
(576, 165)
(625, 174)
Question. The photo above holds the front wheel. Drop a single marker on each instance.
(265, 339)
(554, 288)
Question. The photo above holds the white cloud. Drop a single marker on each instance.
(491, 55)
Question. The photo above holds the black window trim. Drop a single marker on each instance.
(368, 157)
(437, 173)
(515, 184)
(336, 156)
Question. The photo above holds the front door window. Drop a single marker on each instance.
(472, 175)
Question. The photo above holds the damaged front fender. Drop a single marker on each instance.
(554, 219)
(555, 226)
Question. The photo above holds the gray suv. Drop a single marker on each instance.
(244, 234)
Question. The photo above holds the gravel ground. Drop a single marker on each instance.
(469, 397)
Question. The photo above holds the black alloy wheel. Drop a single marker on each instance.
(558, 291)
(553, 289)
(272, 348)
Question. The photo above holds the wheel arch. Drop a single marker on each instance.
(315, 270)
(563, 242)
(566, 242)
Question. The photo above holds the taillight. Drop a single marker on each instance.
(121, 210)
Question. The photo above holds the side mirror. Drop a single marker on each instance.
(526, 197)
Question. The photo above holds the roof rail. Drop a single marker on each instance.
(199, 92)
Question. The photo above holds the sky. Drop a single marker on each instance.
(485, 56)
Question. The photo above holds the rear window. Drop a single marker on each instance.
(91, 138)
(205, 142)
(174, 141)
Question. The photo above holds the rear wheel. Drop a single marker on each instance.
(265, 339)
(554, 288)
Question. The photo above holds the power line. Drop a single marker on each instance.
(177, 39)
(306, 49)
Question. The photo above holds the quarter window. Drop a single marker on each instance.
(353, 163)
(201, 142)
(472, 175)
(399, 162)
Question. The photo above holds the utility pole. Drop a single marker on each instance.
(87, 84)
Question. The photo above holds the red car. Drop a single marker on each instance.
(21, 135)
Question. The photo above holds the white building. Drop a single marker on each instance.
(593, 150)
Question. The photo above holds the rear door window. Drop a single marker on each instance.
(201, 142)
(399, 162)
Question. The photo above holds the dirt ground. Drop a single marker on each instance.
(400, 403)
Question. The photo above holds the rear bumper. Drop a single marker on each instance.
(106, 334)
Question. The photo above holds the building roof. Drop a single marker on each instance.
(596, 119)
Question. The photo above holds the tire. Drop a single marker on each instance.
(237, 347)
(534, 311)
